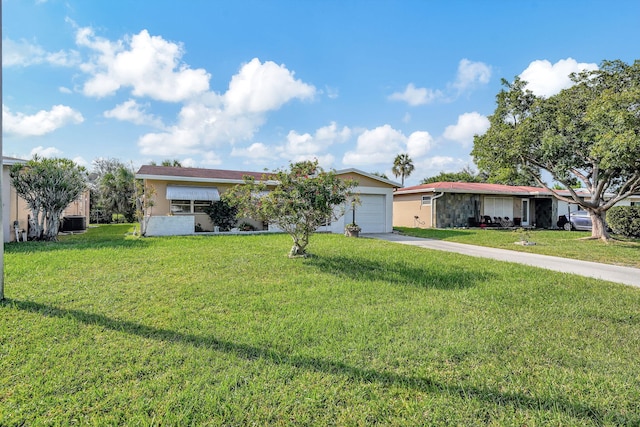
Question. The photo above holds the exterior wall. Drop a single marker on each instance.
(407, 206)
(627, 202)
(14, 208)
(455, 209)
(177, 225)
(79, 207)
(364, 181)
(162, 206)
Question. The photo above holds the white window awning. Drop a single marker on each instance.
(179, 192)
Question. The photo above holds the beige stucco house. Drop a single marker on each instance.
(462, 204)
(14, 208)
(181, 195)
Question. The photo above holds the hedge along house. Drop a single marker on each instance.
(463, 204)
(182, 195)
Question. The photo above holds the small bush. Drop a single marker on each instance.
(222, 214)
(245, 226)
(625, 220)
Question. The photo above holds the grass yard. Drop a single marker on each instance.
(567, 244)
(104, 329)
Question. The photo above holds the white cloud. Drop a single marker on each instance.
(376, 146)
(45, 152)
(325, 160)
(41, 123)
(23, 54)
(211, 159)
(416, 96)
(469, 124)
(471, 73)
(259, 88)
(200, 125)
(433, 165)
(381, 145)
(546, 79)
(419, 143)
(214, 120)
(188, 163)
(66, 90)
(256, 151)
(81, 161)
(150, 65)
(332, 92)
(309, 145)
(131, 111)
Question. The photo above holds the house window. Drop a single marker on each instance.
(426, 200)
(635, 203)
(188, 206)
(200, 206)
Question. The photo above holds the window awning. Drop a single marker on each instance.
(179, 192)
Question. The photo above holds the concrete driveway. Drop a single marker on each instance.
(612, 273)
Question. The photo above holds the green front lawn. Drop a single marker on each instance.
(106, 329)
(566, 244)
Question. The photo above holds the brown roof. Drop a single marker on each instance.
(171, 171)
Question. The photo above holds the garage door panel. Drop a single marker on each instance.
(370, 214)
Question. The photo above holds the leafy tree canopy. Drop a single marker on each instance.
(589, 132)
(48, 186)
(465, 175)
(113, 190)
(297, 200)
(402, 166)
(168, 162)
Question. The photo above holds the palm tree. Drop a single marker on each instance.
(402, 166)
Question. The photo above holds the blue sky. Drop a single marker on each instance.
(253, 85)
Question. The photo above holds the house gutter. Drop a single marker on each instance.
(434, 205)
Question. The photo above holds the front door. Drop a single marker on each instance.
(525, 212)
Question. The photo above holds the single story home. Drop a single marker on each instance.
(462, 204)
(182, 194)
(14, 208)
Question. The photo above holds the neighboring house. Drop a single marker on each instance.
(461, 204)
(14, 208)
(182, 195)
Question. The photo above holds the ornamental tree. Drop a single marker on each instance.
(589, 133)
(297, 200)
(48, 186)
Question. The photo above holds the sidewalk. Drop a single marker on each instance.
(613, 273)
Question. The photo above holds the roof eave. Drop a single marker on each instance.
(195, 179)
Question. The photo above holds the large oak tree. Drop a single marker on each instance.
(589, 132)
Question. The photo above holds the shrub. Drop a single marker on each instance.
(222, 214)
(625, 220)
(245, 226)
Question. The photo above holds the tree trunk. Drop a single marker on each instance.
(34, 232)
(598, 225)
(53, 226)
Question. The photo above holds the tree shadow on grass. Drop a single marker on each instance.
(516, 400)
(427, 275)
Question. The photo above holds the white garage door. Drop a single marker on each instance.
(370, 214)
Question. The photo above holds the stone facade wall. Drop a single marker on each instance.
(455, 209)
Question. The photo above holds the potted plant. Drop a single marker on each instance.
(352, 230)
